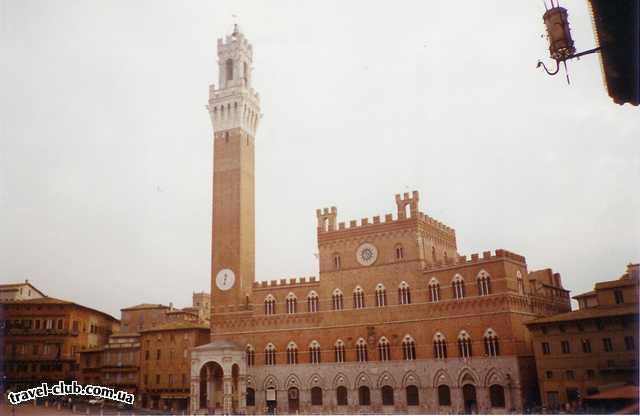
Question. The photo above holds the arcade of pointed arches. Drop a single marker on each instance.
(410, 391)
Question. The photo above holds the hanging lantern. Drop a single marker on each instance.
(561, 47)
(560, 43)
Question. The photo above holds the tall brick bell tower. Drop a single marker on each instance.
(235, 111)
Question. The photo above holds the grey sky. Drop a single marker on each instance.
(106, 151)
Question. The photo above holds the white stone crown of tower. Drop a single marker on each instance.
(234, 104)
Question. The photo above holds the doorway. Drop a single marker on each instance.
(469, 397)
(294, 400)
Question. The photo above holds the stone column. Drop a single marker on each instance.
(228, 395)
(195, 396)
(242, 394)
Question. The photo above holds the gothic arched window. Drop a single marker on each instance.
(408, 348)
(491, 346)
(404, 294)
(313, 302)
(337, 300)
(291, 303)
(251, 356)
(484, 283)
(314, 352)
(270, 354)
(292, 353)
(381, 295)
(361, 351)
(358, 298)
(464, 345)
(458, 287)
(434, 290)
(439, 346)
(384, 351)
(269, 305)
(339, 351)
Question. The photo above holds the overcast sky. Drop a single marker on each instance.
(106, 145)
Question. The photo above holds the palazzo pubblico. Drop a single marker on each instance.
(397, 322)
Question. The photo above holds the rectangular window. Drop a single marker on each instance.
(157, 354)
(629, 343)
(549, 375)
(618, 296)
(566, 348)
(157, 378)
(570, 375)
(546, 348)
(607, 345)
(591, 374)
(586, 346)
(553, 398)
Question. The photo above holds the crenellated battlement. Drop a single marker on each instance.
(286, 282)
(327, 217)
(474, 259)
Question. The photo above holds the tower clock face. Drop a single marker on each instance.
(367, 254)
(225, 279)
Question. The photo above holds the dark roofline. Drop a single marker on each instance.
(47, 300)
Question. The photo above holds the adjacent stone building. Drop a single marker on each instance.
(165, 364)
(398, 321)
(19, 291)
(42, 338)
(589, 350)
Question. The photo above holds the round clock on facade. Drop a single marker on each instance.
(225, 279)
(367, 254)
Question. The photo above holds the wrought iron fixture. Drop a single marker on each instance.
(561, 47)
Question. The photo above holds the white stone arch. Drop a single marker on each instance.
(494, 376)
(434, 281)
(314, 343)
(466, 375)
(386, 379)
(439, 336)
(457, 278)
(270, 347)
(293, 381)
(336, 292)
(442, 377)
(358, 289)
(316, 380)
(403, 285)
(339, 342)
(361, 341)
(463, 335)
(292, 345)
(490, 333)
(271, 381)
(380, 286)
(269, 297)
(411, 379)
(251, 382)
(383, 340)
(362, 380)
(292, 295)
(340, 380)
(312, 294)
(482, 273)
